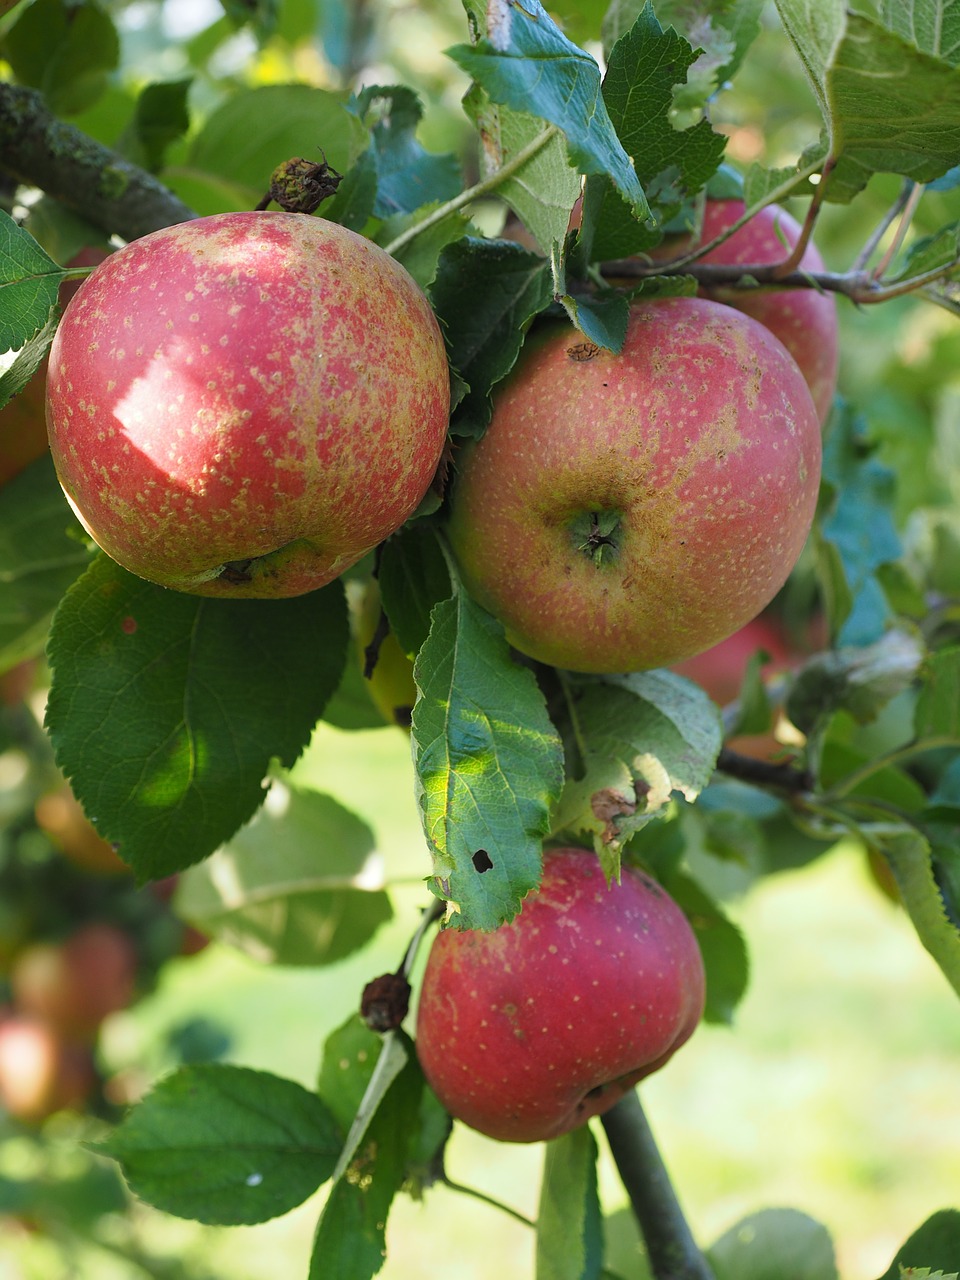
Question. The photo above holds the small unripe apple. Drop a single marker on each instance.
(626, 511)
(526, 1032)
(805, 320)
(245, 404)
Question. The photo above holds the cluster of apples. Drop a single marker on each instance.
(245, 405)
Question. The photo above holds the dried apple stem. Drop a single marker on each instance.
(671, 1249)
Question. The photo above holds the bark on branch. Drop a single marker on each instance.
(41, 151)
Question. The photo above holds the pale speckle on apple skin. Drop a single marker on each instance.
(251, 501)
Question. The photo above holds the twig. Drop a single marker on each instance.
(113, 194)
(906, 216)
(671, 1249)
(784, 777)
(882, 227)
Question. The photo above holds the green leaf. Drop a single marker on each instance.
(408, 176)
(254, 130)
(909, 855)
(160, 119)
(938, 705)
(261, 15)
(166, 709)
(507, 286)
(643, 737)
(931, 25)
(29, 282)
(910, 127)
(421, 255)
(352, 203)
(860, 681)
(856, 531)
(413, 577)
(638, 89)
(349, 1241)
(725, 959)
(602, 318)
(65, 50)
(543, 191)
(935, 1244)
(226, 1145)
(773, 1244)
(299, 884)
(39, 558)
(525, 62)
(569, 1222)
(489, 765)
(931, 253)
(29, 359)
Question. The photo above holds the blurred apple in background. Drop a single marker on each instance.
(60, 814)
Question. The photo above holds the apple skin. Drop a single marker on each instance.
(245, 404)
(40, 1072)
(699, 442)
(526, 1032)
(804, 320)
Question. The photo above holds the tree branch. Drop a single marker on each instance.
(671, 1248)
(41, 151)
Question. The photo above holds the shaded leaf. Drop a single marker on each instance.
(772, 1244)
(569, 1221)
(935, 1244)
(225, 1144)
(29, 282)
(938, 705)
(725, 959)
(413, 577)
(67, 51)
(860, 681)
(166, 709)
(408, 176)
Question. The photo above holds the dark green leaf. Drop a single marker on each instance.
(569, 1222)
(225, 1144)
(261, 15)
(349, 1241)
(40, 557)
(525, 62)
(299, 884)
(408, 176)
(166, 709)
(507, 286)
(29, 358)
(352, 203)
(860, 681)
(722, 946)
(638, 89)
(421, 255)
(938, 706)
(413, 577)
(936, 1244)
(601, 318)
(773, 1244)
(29, 281)
(350, 1054)
(160, 119)
(489, 764)
(65, 50)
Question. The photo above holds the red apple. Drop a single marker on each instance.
(804, 320)
(526, 1032)
(75, 984)
(245, 404)
(626, 511)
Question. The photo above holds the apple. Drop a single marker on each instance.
(60, 814)
(526, 1032)
(40, 1072)
(245, 404)
(804, 320)
(75, 984)
(627, 511)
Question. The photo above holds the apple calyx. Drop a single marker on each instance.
(595, 536)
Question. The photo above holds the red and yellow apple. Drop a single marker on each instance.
(40, 1072)
(245, 404)
(526, 1032)
(805, 320)
(627, 511)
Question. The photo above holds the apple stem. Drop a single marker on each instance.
(672, 1252)
(488, 1200)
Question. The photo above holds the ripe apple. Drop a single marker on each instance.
(626, 511)
(804, 320)
(526, 1032)
(75, 984)
(245, 404)
(40, 1072)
